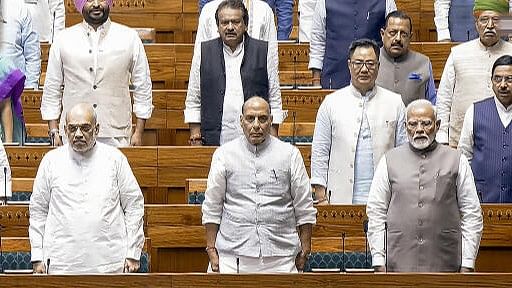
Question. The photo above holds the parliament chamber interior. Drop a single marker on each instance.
(172, 174)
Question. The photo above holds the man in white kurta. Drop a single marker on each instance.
(354, 127)
(97, 61)
(258, 209)
(466, 75)
(86, 208)
(48, 18)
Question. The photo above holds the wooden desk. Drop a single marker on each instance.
(305, 280)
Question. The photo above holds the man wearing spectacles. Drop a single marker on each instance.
(403, 71)
(426, 195)
(466, 73)
(486, 137)
(354, 127)
(86, 207)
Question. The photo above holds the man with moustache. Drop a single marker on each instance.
(86, 207)
(225, 72)
(404, 71)
(97, 61)
(354, 127)
(258, 211)
(433, 186)
(486, 138)
(466, 73)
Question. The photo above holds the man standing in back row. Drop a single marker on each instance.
(97, 61)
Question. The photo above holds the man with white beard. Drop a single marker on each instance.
(433, 186)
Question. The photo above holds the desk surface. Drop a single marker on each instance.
(289, 280)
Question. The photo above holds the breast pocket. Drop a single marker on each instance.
(278, 182)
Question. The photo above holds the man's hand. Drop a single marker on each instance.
(57, 140)
(136, 139)
(195, 138)
(38, 267)
(131, 265)
(379, 268)
(300, 260)
(466, 270)
(213, 255)
(316, 77)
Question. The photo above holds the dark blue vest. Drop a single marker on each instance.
(461, 21)
(254, 76)
(347, 21)
(492, 154)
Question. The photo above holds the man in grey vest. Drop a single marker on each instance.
(433, 186)
(403, 71)
(225, 72)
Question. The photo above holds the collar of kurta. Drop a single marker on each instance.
(369, 93)
(85, 156)
(103, 28)
(259, 147)
(492, 48)
(427, 150)
(237, 51)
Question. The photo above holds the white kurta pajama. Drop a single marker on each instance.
(258, 195)
(86, 211)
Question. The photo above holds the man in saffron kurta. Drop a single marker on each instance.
(486, 138)
(426, 195)
(86, 207)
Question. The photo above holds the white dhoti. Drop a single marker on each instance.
(278, 264)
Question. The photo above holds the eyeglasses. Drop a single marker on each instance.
(402, 34)
(358, 64)
(413, 124)
(85, 128)
(497, 79)
(484, 20)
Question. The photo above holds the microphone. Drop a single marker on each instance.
(48, 266)
(195, 198)
(329, 199)
(386, 245)
(237, 265)
(343, 252)
(294, 71)
(5, 185)
(293, 127)
(365, 229)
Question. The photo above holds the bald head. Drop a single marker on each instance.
(81, 127)
(421, 123)
(256, 120)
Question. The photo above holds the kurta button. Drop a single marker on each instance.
(420, 240)
(355, 13)
(421, 187)
(94, 105)
(351, 165)
(396, 81)
(94, 87)
(504, 159)
(355, 27)
(90, 51)
(420, 204)
(420, 222)
(350, 180)
(90, 69)
(423, 156)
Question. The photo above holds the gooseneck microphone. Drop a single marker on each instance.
(343, 252)
(237, 265)
(365, 229)
(293, 127)
(48, 266)
(53, 25)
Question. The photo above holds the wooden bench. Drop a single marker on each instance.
(160, 171)
(176, 20)
(170, 63)
(166, 125)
